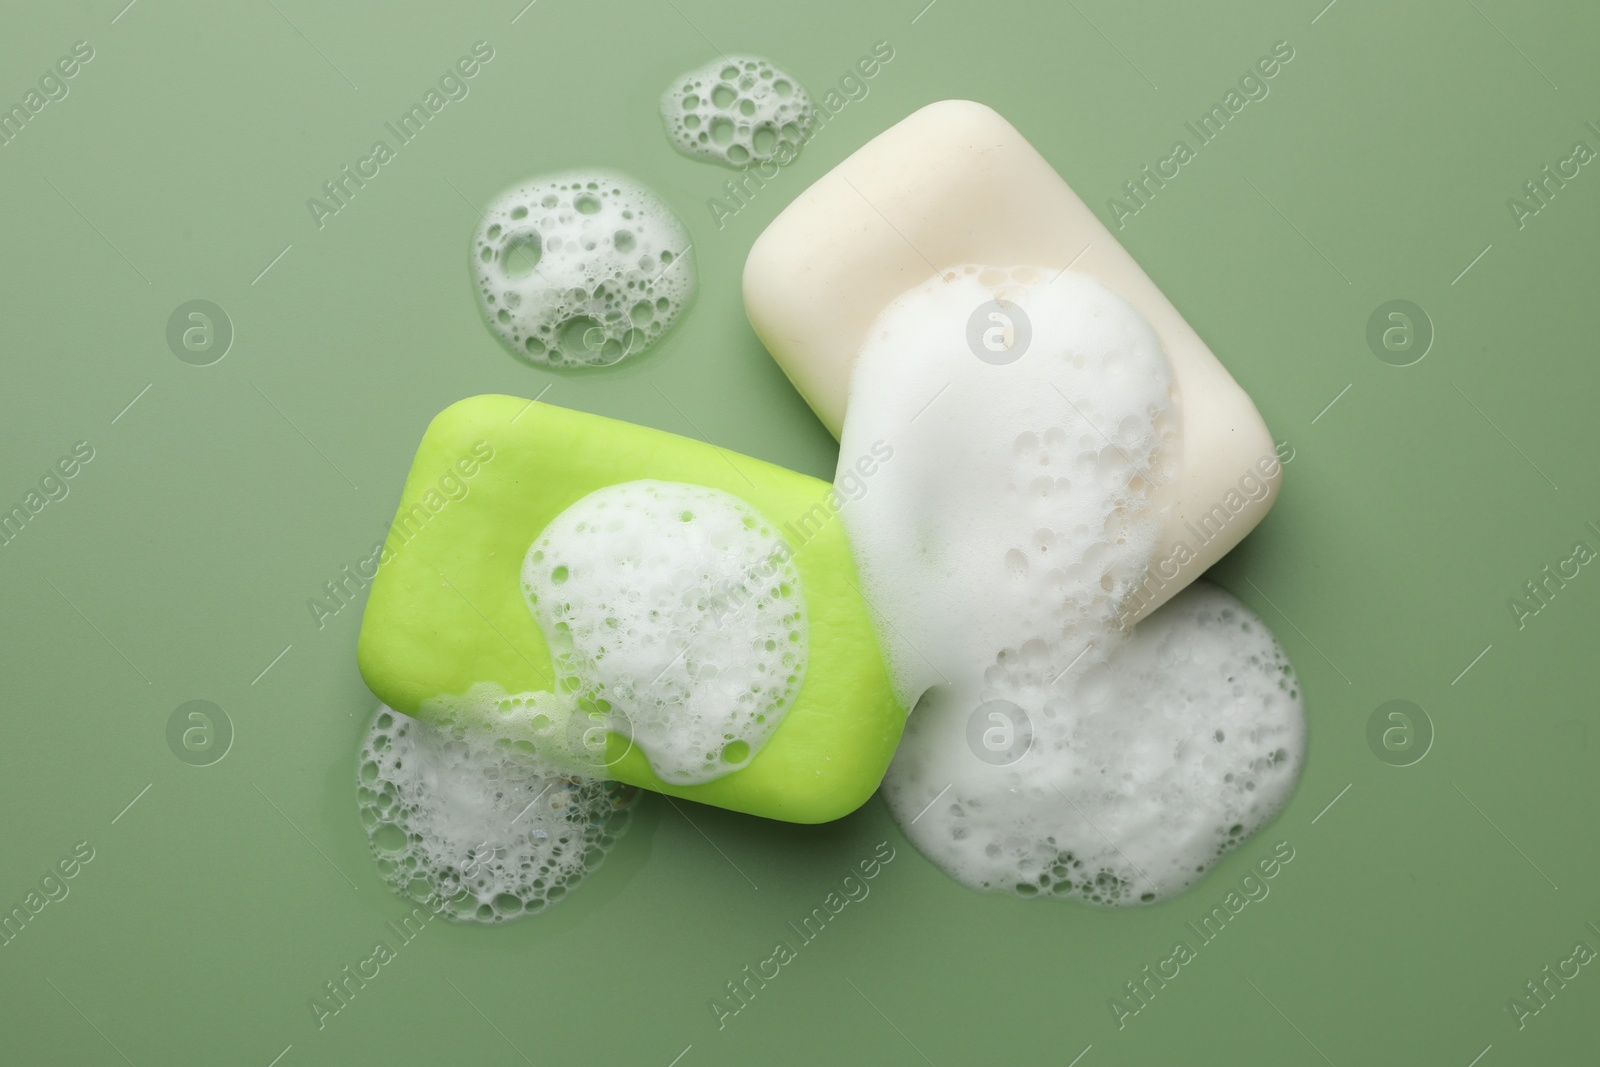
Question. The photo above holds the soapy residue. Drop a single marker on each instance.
(581, 269)
(737, 110)
(1052, 751)
(465, 817)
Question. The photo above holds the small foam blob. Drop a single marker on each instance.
(581, 269)
(1052, 751)
(464, 816)
(674, 615)
(737, 110)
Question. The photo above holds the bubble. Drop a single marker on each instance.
(561, 261)
(737, 110)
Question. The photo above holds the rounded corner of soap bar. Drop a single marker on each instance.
(375, 672)
(378, 655)
(831, 807)
(475, 412)
(953, 110)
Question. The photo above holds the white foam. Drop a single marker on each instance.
(737, 110)
(581, 269)
(675, 615)
(468, 819)
(1051, 752)
(1034, 491)
(1180, 745)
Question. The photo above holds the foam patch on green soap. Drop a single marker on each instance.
(449, 626)
(677, 612)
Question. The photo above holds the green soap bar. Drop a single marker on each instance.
(446, 610)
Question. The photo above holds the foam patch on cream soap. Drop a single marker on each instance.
(1051, 751)
(674, 613)
(1037, 476)
(467, 818)
(737, 110)
(581, 269)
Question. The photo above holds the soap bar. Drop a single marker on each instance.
(955, 184)
(447, 613)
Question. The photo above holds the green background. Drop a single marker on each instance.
(180, 564)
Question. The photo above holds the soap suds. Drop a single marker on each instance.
(1036, 488)
(1052, 752)
(675, 616)
(467, 818)
(582, 269)
(737, 110)
(1162, 758)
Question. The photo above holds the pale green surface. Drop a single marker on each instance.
(194, 538)
(446, 611)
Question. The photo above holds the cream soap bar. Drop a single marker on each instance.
(957, 184)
